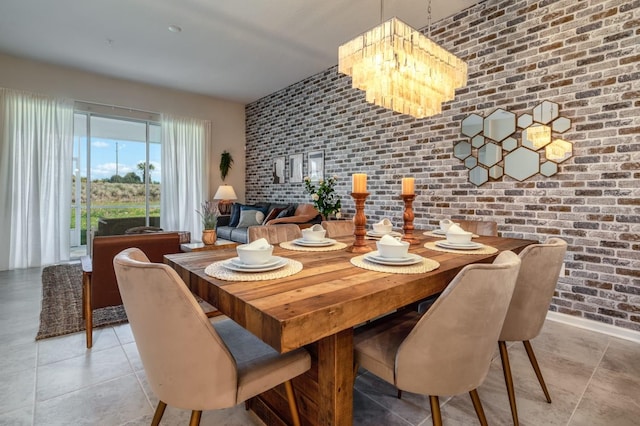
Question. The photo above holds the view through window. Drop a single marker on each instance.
(116, 177)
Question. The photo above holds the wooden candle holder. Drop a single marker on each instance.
(408, 219)
(360, 222)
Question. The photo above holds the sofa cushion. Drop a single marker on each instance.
(289, 211)
(239, 235)
(250, 218)
(224, 232)
(273, 213)
(235, 214)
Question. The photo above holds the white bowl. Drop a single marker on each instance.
(459, 238)
(309, 234)
(445, 224)
(393, 250)
(254, 256)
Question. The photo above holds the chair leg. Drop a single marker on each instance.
(508, 380)
(86, 307)
(536, 368)
(477, 405)
(436, 417)
(157, 416)
(291, 397)
(195, 418)
(399, 394)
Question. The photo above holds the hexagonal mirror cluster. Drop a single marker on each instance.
(492, 152)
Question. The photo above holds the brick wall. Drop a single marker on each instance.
(583, 55)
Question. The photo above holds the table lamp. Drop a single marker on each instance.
(225, 194)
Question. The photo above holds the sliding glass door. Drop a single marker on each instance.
(116, 177)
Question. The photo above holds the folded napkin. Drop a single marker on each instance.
(385, 222)
(260, 244)
(455, 229)
(317, 228)
(390, 241)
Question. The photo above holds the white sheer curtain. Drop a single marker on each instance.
(185, 173)
(36, 144)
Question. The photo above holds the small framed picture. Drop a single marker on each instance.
(315, 164)
(295, 168)
(278, 170)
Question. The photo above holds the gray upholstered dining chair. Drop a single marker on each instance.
(191, 364)
(537, 279)
(487, 228)
(275, 233)
(338, 228)
(448, 350)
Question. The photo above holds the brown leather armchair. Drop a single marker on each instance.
(99, 285)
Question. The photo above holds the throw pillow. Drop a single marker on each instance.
(250, 218)
(235, 214)
(272, 214)
(289, 211)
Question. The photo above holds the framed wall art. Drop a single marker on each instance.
(278, 170)
(295, 168)
(315, 164)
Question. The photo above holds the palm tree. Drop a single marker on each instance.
(141, 167)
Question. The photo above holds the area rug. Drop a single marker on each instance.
(62, 303)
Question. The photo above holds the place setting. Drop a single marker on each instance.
(380, 229)
(442, 230)
(255, 262)
(459, 241)
(313, 239)
(393, 256)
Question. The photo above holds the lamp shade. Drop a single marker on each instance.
(225, 192)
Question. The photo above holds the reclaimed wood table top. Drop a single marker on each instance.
(328, 295)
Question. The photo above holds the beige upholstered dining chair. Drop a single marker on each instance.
(191, 364)
(338, 228)
(448, 350)
(487, 228)
(275, 233)
(537, 279)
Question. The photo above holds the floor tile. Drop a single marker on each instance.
(622, 356)
(131, 350)
(17, 390)
(610, 399)
(18, 357)
(76, 373)
(20, 417)
(73, 345)
(573, 342)
(367, 412)
(109, 403)
(124, 334)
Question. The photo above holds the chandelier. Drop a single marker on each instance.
(401, 69)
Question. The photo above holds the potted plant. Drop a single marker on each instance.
(324, 197)
(209, 215)
(226, 161)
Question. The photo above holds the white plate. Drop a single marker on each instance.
(236, 265)
(456, 246)
(411, 259)
(382, 234)
(439, 232)
(321, 243)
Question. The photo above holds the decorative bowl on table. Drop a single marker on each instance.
(392, 248)
(255, 254)
(456, 235)
(383, 227)
(315, 233)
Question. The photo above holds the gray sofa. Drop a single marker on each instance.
(302, 214)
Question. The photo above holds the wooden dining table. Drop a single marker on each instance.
(318, 308)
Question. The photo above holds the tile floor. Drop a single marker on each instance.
(594, 379)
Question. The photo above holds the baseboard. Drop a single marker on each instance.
(611, 330)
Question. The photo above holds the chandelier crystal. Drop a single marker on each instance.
(401, 69)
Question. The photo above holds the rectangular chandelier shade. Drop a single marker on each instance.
(401, 69)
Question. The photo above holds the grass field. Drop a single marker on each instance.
(115, 200)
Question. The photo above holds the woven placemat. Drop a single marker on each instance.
(484, 250)
(217, 270)
(419, 268)
(289, 245)
(431, 234)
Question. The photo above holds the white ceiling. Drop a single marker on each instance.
(240, 50)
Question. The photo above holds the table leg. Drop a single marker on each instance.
(335, 379)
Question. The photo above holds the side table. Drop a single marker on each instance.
(220, 244)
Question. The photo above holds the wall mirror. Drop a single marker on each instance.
(493, 150)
